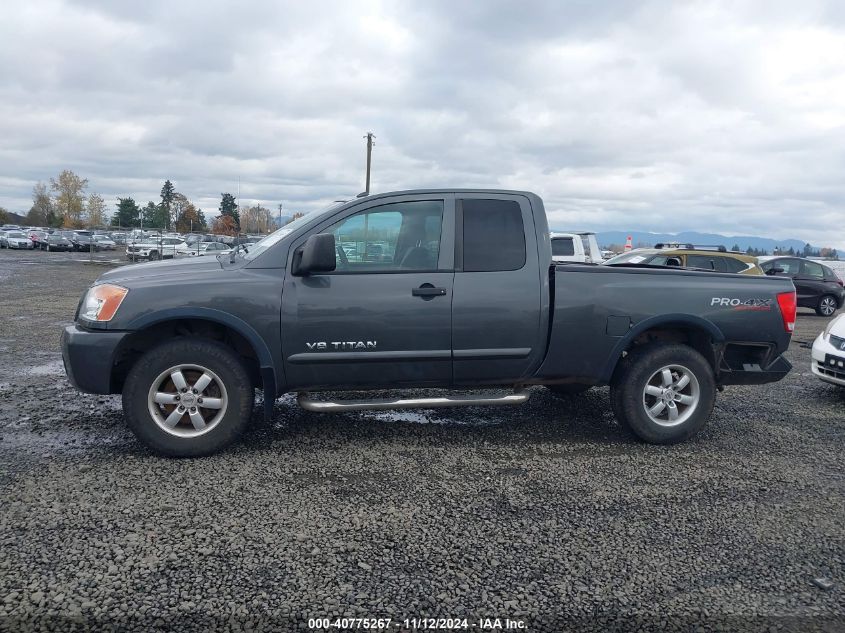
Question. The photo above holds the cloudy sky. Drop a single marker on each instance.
(665, 116)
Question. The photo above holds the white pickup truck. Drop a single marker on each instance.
(579, 246)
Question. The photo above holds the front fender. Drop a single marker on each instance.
(262, 351)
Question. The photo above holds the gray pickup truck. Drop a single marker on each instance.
(450, 289)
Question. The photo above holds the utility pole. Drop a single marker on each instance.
(280, 215)
(370, 136)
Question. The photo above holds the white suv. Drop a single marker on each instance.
(153, 248)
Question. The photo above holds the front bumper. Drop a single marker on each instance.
(828, 363)
(89, 357)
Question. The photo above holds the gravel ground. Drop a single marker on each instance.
(547, 514)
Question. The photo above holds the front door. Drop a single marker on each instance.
(383, 317)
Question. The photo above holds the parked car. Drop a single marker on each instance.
(576, 247)
(104, 243)
(198, 249)
(817, 285)
(83, 240)
(15, 239)
(828, 356)
(118, 238)
(154, 248)
(470, 300)
(715, 258)
(56, 241)
(37, 238)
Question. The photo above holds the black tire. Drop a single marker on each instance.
(828, 305)
(207, 354)
(154, 255)
(628, 393)
(572, 389)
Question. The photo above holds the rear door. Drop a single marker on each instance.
(383, 317)
(812, 282)
(496, 308)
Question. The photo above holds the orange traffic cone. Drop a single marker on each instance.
(629, 244)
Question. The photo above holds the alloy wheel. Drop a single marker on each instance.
(827, 306)
(671, 395)
(187, 400)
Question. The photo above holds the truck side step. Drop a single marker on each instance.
(519, 396)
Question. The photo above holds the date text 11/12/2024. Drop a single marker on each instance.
(416, 624)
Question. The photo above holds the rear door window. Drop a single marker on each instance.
(734, 265)
(706, 262)
(813, 270)
(493, 235)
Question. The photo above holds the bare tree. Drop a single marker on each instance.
(70, 200)
(256, 219)
(42, 212)
(96, 210)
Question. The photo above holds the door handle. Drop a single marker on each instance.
(428, 291)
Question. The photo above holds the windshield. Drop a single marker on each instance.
(254, 250)
(15, 234)
(627, 258)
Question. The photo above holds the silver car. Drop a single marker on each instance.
(16, 239)
(104, 243)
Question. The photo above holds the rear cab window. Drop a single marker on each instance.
(493, 235)
(563, 246)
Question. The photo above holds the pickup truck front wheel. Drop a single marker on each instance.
(188, 397)
(664, 393)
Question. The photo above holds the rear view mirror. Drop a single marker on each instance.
(774, 271)
(317, 255)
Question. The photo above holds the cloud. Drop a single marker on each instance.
(719, 116)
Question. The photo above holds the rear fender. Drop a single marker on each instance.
(661, 322)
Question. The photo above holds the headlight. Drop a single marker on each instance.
(830, 325)
(101, 302)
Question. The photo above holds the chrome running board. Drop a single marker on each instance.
(519, 396)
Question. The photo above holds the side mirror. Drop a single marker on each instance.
(774, 271)
(317, 255)
(673, 261)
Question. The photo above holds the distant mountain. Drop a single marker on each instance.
(15, 218)
(606, 238)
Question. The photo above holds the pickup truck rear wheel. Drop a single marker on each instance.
(188, 397)
(663, 393)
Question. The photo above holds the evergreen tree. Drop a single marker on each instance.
(229, 206)
(128, 214)
(167, 193)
